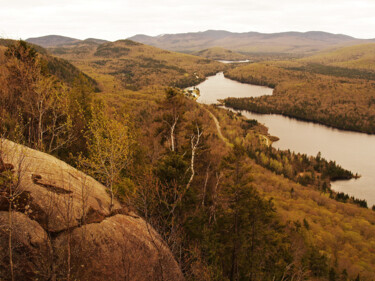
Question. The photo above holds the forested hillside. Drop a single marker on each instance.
(228, 205)
(136, 65)
(217, 53)
(355, 57)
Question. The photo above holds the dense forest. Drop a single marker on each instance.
(229, 206)
(136, 65)
(358, 57)
(217, 53)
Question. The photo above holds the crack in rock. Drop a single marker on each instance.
(37, 179)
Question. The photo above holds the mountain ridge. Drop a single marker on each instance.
(251, 42)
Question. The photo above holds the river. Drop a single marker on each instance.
(353, 151)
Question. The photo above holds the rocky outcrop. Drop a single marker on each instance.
(120, 248)
(59, 195)
(62, 225)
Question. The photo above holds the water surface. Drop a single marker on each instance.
(353, 151)
(218, 87)
(233, 61)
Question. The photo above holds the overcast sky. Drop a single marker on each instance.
(119, 19)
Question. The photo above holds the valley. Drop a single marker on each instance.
(305, 137)
(207, 193)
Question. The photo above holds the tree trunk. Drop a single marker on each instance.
(111, 191)
(40, 126)
(252, 247)
(193, 150)
(205, 185)
(172, 133)
(69, 256)
(234, 269)
(10, 221)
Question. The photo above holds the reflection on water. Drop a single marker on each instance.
(352, 150)
(218, 87)
(234, 61)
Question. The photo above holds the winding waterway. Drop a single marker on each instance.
(353, 151)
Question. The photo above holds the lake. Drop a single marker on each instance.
(353, 151)
(233, 61)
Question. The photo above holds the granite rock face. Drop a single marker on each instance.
(120, 248)
(62, 225)
(59, 195)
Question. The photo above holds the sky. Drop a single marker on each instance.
(120, 19)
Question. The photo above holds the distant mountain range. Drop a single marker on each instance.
(57, 41)
(247, 42)
(250, 42)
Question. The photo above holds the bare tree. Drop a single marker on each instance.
(205, 184)
(172, 127)
(11, 191)
(172, 108)
(194, 141)
(150, 195)
(215, 196)
(70, 253)
(67, 213)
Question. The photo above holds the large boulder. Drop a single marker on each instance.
(31, 248)
(63, 225)
(119, 248)
(59, 195)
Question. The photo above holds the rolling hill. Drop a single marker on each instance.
(358, 57)
(218, 53)
(137, 65)
(61, 68)
(252, 42)
(57, 40)
(52, 40)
